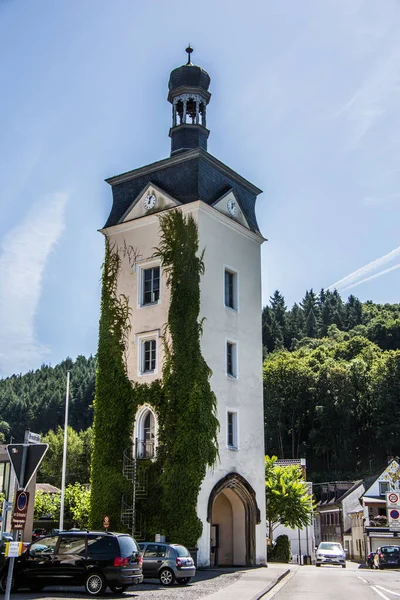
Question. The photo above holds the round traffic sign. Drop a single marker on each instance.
(22, 501)
(393, 498)
(394, 513)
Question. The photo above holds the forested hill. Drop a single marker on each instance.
(332, 384)
(283, 328)
(36, 400)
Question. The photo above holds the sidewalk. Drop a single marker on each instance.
(253, 583)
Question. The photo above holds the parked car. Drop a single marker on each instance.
(330, 553)
(7, 537)
(167, 562)
(93, 559)
(37, 533)
(370, 560)
(387, 556)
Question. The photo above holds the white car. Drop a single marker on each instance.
(330, 553)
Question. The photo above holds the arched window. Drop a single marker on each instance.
(145, 433)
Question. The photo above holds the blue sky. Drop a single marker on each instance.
(305, 99)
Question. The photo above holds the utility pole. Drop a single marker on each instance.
(64, 462)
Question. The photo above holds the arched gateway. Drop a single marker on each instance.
(233, 515)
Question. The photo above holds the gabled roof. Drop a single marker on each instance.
(189, 176)
(390, 474)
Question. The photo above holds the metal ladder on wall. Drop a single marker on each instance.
(137, 474)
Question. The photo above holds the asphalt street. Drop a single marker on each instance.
(335, 583)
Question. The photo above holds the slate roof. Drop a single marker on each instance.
(189, 176)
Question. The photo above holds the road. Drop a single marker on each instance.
(335, 583)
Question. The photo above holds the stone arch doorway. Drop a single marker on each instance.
(233, 515)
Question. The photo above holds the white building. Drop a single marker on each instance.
(231, 503)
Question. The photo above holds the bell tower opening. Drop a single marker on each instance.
(189, 96)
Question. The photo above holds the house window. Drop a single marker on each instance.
(231, 359)
(150, 285)
(231, 289)
(232, 435)
(383, 487)
(149, 353)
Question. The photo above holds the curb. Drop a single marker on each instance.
(271, 585)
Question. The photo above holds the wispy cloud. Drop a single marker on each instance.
(23, 256)
(363, 274)
(376, 95)
(373, 276)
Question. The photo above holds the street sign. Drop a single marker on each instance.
(392, 500)
(32, 438)
(13, 549)
(20, 510)
(34, 456)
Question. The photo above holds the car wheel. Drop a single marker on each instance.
(118, 589)
(166, 577)
(183, 580)
(317, 565)
(343, 566)
(95, 584)
(3, 583)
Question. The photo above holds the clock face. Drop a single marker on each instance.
(150, 201)
(232, 207)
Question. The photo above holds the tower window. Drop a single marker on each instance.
(231, 359)
(149, 353)
(232, 434)
(231, 299)
(150, 285)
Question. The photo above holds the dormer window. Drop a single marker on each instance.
(383, 488)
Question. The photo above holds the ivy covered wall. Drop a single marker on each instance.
(183, 400)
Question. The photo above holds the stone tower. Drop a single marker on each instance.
(231, 503)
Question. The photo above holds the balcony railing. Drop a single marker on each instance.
(145, 449)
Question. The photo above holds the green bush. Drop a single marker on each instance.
(281, 551)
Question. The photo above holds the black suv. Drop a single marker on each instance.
(93, 559)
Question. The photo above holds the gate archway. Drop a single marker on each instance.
(233, 514)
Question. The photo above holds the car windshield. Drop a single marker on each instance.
(389, 550)
(330, 546)
(182, 551)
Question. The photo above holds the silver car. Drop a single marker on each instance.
(330, 553)
(167, 562)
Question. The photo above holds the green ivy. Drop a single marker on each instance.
(114, 404)
(183, 401)
(188, 425)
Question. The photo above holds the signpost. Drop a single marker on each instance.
(393, 510)
(25, 459)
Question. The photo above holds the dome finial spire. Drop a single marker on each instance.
(189, 51)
